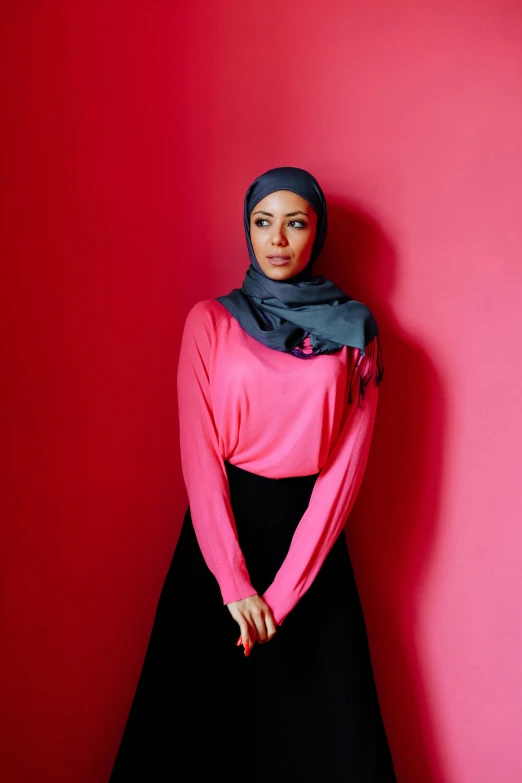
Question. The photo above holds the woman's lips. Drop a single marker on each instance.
(278, 260)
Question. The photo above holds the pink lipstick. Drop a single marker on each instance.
(278, 260)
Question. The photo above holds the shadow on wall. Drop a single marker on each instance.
(392, 527)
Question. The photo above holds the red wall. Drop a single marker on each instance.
(133, 131)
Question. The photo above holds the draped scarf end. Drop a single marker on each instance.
(369, 365)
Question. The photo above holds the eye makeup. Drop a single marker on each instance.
(302, 222)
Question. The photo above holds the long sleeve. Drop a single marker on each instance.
(202, 465)
(332, 498)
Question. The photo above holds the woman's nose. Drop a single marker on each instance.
(278, 236)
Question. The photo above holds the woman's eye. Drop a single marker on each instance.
(300, 223)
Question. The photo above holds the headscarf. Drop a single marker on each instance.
(281, 313)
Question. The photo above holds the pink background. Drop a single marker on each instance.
(133, 131)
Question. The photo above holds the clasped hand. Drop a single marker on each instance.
(255, 619)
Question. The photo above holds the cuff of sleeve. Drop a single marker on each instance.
(236, 589)
(279, 605)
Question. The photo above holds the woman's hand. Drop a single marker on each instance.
(255, 619)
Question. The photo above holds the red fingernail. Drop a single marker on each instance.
(239, 641)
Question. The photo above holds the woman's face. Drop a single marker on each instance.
(282, 231)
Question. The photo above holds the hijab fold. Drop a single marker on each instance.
(281, 313)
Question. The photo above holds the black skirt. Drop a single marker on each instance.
(302, 707)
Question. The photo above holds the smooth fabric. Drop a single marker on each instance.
(269, 413)
(302, 707)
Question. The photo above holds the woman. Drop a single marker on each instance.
(274, 443)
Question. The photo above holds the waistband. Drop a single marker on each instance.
(236, 470)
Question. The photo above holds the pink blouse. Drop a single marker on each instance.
(276, 415)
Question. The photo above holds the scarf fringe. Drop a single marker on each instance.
(368, 365)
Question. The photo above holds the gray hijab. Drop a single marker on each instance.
(280, 313)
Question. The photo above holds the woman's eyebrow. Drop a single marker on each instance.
(288, 214)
